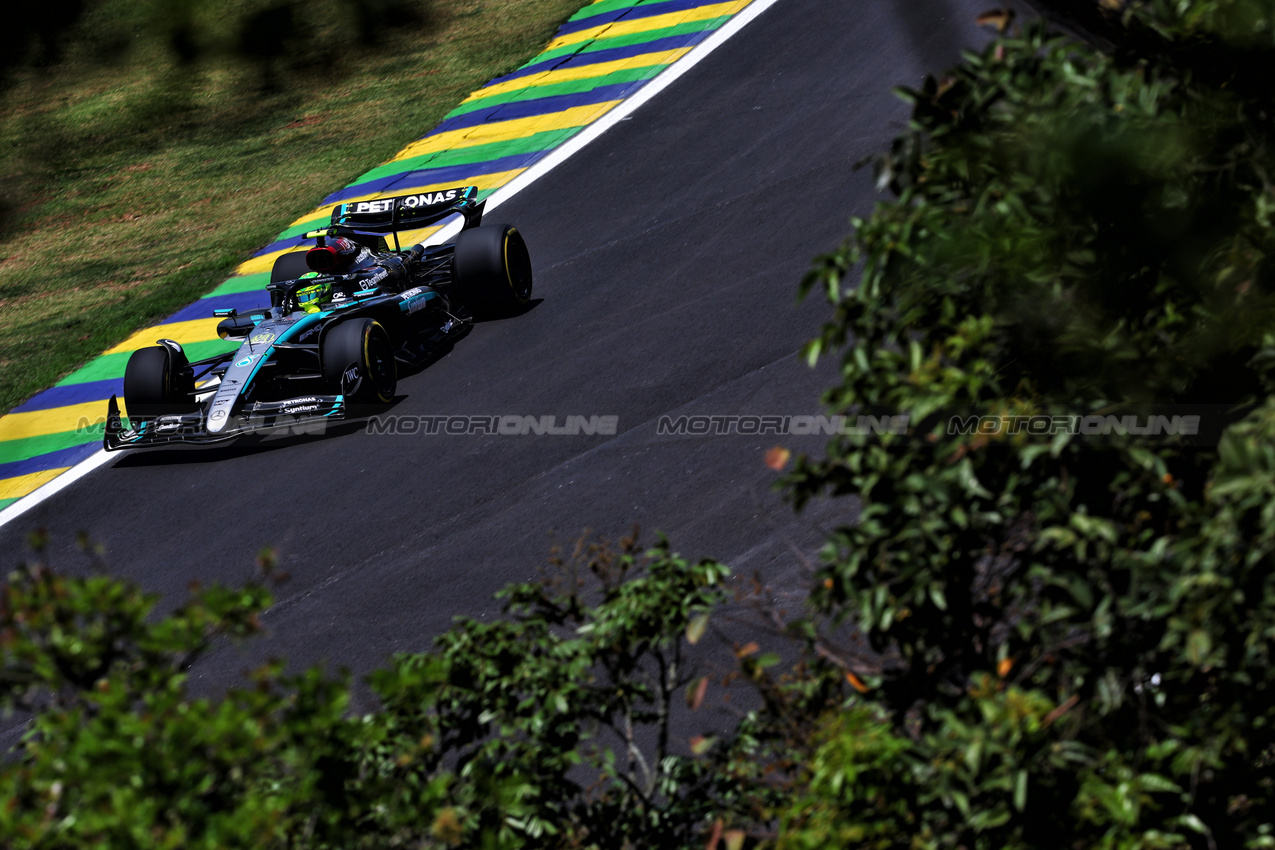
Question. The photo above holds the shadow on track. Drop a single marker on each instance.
(513, 314)
(245, 446)
(284, 437)
(938, 46)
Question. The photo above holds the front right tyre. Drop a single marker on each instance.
(358, 362)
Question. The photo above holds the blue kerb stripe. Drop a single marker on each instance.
(72, 394)
(203, 308)
(607, 54)
(537, 106)
(644, 10)
(69, 456)
(291, 242)
(408, 180)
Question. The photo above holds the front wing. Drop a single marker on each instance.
(302, 413)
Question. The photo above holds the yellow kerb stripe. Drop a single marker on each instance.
(264, 263)
(55, 420)
(656, 22)
(195, 330)
(408, 238)
(580, 72)
(16, 488)
(504, 131)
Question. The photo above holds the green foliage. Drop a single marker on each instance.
(61, 636)
(1074, 636)
(116, 753)
(1082, 630)
(565, 690)
(548, 727)
(1249, 24)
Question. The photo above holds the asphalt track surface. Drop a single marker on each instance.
(667, 256)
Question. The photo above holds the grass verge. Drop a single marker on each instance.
(135, 187)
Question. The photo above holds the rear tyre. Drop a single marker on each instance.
(156, 383)
(286, 267)
(359, 362)
(289, 267)
(492, 270)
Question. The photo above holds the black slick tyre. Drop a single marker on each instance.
(359, 362)
(492, 270)
(289, 267)
(155, 384)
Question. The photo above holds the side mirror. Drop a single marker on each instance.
(235, 327)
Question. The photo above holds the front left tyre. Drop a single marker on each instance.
(358, 362)
(157, 383)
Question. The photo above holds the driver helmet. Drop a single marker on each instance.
(333, 257)
(309, 297)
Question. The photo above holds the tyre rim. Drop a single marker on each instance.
(517, 261)
(379, 366)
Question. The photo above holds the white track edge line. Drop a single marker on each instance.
(57, 485)
(662, 81)
(559, 155)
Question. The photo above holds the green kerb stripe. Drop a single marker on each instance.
(605, 42)
(628, 75)
(111, 366)
(602, 8)
(29, 447)
(242, 283)
(534, 143)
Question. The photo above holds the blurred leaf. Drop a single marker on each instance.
(696, 627)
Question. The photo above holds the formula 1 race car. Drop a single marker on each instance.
(343, 316)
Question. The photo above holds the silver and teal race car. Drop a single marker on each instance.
(344, 316)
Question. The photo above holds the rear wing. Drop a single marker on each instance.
(406, 212)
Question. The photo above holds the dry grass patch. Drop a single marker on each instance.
(133, 189)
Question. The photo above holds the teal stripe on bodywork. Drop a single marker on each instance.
(304, 323)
